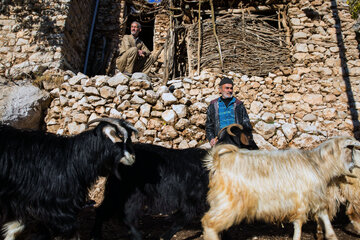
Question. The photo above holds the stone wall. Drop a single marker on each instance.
(43, 34)
(108, 31)
(317, 98)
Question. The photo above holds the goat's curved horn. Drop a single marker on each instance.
(114, 121)
(223, 129)
(129, 125)
(233, 125)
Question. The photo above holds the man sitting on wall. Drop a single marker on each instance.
(134, 55)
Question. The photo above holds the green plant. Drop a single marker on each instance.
(354, 8)
(57, 80)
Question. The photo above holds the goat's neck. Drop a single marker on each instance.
(329, 168)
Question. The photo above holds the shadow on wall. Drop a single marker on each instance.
(345, 70)
(105, 40)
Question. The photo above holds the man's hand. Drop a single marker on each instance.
(213, 141)
(141, 53)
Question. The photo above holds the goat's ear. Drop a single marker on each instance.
(110, 132)
(351, 148)
(350, 143)
(354, 145)
(244, 139)
(356, 157)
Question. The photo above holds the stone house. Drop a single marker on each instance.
(295, 65)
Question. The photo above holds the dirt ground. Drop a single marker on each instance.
(153, 226)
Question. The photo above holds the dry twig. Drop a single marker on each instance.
(250, 45)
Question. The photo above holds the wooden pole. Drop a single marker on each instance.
(199, 40)
(279, 26)
(243, 22)
(284, 23)
(216, 37)
(169, 49)
(171, 54)
(190, 56)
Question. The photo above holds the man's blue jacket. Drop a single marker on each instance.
(212, 126)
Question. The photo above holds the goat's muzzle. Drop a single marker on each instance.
(127, 159)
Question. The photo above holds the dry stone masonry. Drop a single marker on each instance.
(161, 116)
(177, 119)
(299, 106)
(38, 35)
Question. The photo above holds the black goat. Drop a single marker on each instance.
(235, 134)
(44, 178)
(166, 181)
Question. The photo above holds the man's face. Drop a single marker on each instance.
(226, 90)
(135, 29)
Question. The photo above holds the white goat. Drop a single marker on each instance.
(350, 191)
(275, 186)
(346, 191)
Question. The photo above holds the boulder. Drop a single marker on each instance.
(23, 106)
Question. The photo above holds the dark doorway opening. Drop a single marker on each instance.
(147, 31)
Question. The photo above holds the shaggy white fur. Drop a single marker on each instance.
(275, 186)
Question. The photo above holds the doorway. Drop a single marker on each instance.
(147, 31)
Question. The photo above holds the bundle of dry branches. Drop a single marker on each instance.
(250, 45)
